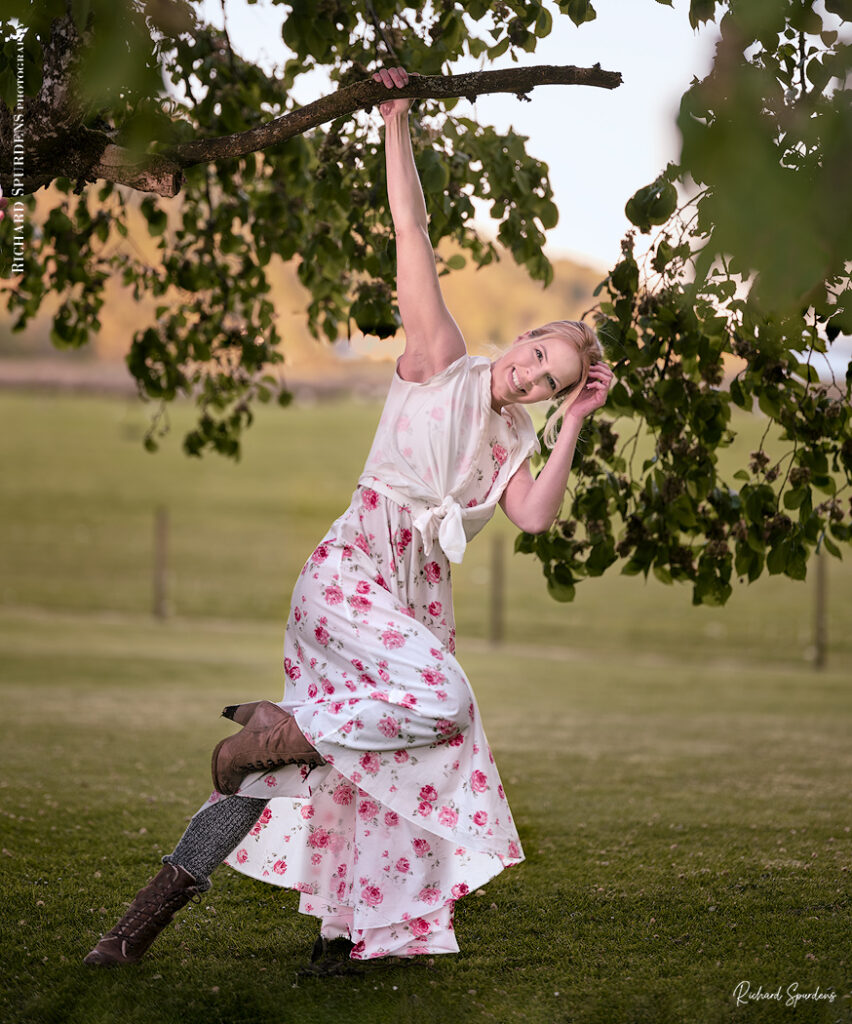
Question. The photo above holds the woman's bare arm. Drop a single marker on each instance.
(533, 503)
(432, 338)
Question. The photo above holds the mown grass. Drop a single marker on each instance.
(679, 776)
(685, 827)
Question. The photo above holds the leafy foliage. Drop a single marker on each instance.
(740, 299)
(750, 274)
(317, 198)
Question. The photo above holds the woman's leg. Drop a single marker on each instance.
(209, 838)
(212, 834)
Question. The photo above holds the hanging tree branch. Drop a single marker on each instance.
(161, 173)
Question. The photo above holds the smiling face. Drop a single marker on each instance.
(535, 369)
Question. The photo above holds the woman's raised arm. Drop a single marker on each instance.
(432, 338)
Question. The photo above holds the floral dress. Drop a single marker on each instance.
(408, 815)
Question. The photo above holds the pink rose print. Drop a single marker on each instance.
(445, 726)
(307, 811)
(242, 856)
(271, 781)
(369, 499)
(435, 609)
(447, 816)
(408, 700)
(429, 894)
(432, 677)
(425, 809)
(400, 756)
(279, 867)
(460, 890)
(368, 809)
(419, 927)
(391, 638)
(292, 671)
(478, 782)
(265, 817)
(371, 763)
(327, 687)
(499, 453)
(514, 850)
(437, 413)
(319, 838)
(433, 572)
(304, 887)
(391, 819)
(388, 726)
(429, 793)
(384, 675)
(380, 580)
(372, 894)
(456, 741)
(403, 540)
(402, 865)
(421, 847)
(357, 664)
(500, 793)
(333, 595)
(363, 543)
(343, 794)
(297, 615)
(360, 604)
(436, 654)
(322, 635)
(312, 690)
(363, 587)
(320, 554)
(480, 818)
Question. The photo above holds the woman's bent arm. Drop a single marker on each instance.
(533, 504)
(432, 338)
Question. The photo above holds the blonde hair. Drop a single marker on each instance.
(588, 347)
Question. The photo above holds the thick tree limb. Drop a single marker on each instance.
(101, 159)
(369, 93)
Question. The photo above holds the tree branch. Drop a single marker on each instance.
(161, 173)
(369, 93)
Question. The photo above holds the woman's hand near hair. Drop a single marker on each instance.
(533, 503)
(432, 338)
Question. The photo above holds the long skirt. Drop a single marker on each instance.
(409, 814)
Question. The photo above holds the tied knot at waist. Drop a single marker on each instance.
(443, 523)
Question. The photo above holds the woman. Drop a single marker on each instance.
(371, 788)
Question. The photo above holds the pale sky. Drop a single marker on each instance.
(600, 145)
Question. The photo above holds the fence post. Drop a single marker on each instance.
(161, 555)
(820, 609)
(495, 621)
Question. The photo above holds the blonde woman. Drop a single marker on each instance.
(370, 788)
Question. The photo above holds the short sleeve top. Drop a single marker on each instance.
(441, 451)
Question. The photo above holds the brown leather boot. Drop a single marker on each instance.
(270, 739)
(152, 909)
(241, 713)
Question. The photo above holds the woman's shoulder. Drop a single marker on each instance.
(459, 368)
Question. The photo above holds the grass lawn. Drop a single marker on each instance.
(679, 776)
(685, 827)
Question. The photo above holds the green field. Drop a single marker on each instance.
(679, 775)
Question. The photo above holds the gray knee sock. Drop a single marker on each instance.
(213, 833)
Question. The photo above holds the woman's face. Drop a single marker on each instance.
(534, 370)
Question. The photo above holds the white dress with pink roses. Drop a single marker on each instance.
(409, 814)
